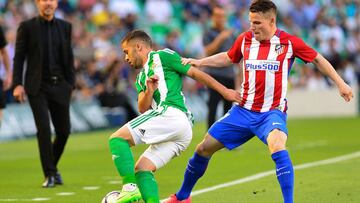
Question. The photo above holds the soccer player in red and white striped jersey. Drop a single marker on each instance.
(266, 55)
(266, 65)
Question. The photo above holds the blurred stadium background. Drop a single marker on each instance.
(105, 92)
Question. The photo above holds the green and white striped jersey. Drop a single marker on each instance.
(166, 64)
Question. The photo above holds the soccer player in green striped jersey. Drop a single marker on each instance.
(165, 123)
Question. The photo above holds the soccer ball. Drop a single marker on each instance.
(111, 197)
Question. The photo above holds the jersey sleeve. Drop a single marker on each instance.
(302, 50)
(171, 59)
(138, 85)
(234, 52)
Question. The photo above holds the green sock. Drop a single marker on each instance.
(148, 186)
(123, 159)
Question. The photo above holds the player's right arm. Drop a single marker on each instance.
(223, 59)
(218, 60)
(204, 78)
(172, 59)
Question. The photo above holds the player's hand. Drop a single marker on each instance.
(19, 93)
(152, 83)
(232, 95)
(191, 61)
(345, 91)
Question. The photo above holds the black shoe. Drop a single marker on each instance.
(49, 182)
(58, 179)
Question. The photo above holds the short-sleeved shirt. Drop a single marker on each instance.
(266, 67)
(166, 64)
(226, 72)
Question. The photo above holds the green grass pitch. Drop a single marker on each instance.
(89, 173)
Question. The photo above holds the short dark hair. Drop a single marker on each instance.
(262, 6)
(137, 34)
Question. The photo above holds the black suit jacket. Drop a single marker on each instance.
(29, 48)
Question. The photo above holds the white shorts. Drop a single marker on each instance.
(167, 130)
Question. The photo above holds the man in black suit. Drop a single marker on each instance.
(45, 43)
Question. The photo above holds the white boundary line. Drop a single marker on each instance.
(267, 173)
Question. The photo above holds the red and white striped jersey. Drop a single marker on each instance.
(266, 66)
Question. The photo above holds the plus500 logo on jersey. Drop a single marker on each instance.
(262, 65)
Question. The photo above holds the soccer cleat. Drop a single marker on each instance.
(173, 199)
(129, 193)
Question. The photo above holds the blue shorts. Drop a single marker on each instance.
(240, 125)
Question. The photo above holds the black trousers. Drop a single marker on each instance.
(215, 98)
(53, 98)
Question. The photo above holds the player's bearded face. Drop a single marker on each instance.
(47, 7)
(132, 56)
(261, 25)
(137, 62)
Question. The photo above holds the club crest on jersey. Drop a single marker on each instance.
(279, 49)
(153, 65)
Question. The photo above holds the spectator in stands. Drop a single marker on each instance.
(218, 39)
(315, 80)
(348, 72)
(172, 41)
(89, 81)
(6, 82)
(114, 95)
(44, 42)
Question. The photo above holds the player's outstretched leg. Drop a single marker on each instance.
(195, 169)
(285, 174)
(174, 199)
(148, 186)
(124, 162)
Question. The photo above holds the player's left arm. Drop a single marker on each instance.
(145, 97)
(307, 54)
(327, 69)
(204, 78)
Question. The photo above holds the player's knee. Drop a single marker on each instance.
(117, 135)
(114, 135)
(276, 147)
(123, 133)
(276, 141)
(145, 168)
(145, 164)
(204, 151)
